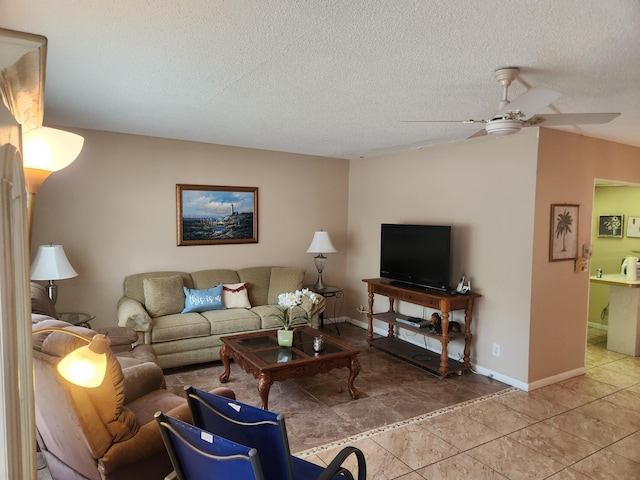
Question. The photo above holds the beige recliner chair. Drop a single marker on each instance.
(108, 432)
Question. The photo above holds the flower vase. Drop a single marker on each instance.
(285, 338)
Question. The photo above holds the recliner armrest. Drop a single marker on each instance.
(122, 339)
(140, 378)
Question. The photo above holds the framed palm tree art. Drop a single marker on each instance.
(563, 238)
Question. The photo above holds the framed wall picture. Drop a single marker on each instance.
(633, 227)
(211, 215)
(610, 226)
(563, 238)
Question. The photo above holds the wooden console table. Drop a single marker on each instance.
(444, 302)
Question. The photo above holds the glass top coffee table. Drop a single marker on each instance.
(259, 354)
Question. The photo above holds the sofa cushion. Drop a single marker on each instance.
(231, 321)
(282, 280)
(236, 295)
(179, 326)
(203, 300)
(163, 295)
(132, 286)
(210, 278)
(268, 315)
(259, 278)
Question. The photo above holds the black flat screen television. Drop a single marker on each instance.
(416, 255)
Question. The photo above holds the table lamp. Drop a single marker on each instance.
(85, 366)
(51, 264)
(321, 243)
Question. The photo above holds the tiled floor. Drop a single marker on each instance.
(584, 428)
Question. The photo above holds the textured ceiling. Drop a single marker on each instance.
(327, 77)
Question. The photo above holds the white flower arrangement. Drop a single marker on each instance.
(288, 301)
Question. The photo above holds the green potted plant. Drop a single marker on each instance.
(287, 317)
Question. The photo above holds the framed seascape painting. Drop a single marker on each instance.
(610, 226)
(563, 243)
(211, 215)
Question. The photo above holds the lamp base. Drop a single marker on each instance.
(52, 291)
(319, 285)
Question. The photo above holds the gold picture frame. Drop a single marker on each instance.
(213, 214)
(563, 238)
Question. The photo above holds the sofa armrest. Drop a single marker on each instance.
(132, 314)
(314, 309)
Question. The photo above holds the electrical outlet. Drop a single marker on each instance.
(496, 349)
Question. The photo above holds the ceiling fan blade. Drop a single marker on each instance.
(530, 102)
(479, 133)
(443, 121)
(569, 119)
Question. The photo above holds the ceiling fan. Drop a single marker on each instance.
(511, 116)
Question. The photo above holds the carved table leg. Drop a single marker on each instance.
(370, 319)
(444, 356)
(354, 369)
(264, 385)
(224, 378)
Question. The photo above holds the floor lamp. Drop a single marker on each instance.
(44, 151)
(85, 366)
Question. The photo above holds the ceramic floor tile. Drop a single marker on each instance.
(606, 465)
(589, 428)
(628, 447)
(627, 399)
(514, 460)
(569, 474)
(414, 446)
(533, 406)
(459, 430)
(381, 464)
(611, 413)
(555, 443)
(460, 467)
(497, 416)
(563, 396)
(589, 386)
(612, 377)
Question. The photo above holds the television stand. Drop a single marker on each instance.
(442, 301)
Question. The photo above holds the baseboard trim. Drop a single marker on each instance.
(598, 326)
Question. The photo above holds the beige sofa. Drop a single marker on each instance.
(153, 302)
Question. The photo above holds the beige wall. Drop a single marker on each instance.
(485, 189)
(568, 165)
(114, 211)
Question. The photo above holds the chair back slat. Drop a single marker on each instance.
(197, 454)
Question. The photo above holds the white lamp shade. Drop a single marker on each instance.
(50, 149)
(51, 264)
(321, 243)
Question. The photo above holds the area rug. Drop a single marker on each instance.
(394, 426)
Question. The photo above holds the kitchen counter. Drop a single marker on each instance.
(623, 334)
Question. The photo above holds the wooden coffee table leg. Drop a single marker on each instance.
(354, 370)
(224, 378)
(264, 385)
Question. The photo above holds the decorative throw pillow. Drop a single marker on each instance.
(203, 300)
(236, 295)
(163, 295)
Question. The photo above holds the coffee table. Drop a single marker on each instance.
(259, 354)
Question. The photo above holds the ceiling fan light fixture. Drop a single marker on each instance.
(503, 126)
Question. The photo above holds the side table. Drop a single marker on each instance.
(330, 291)
(80, 319)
